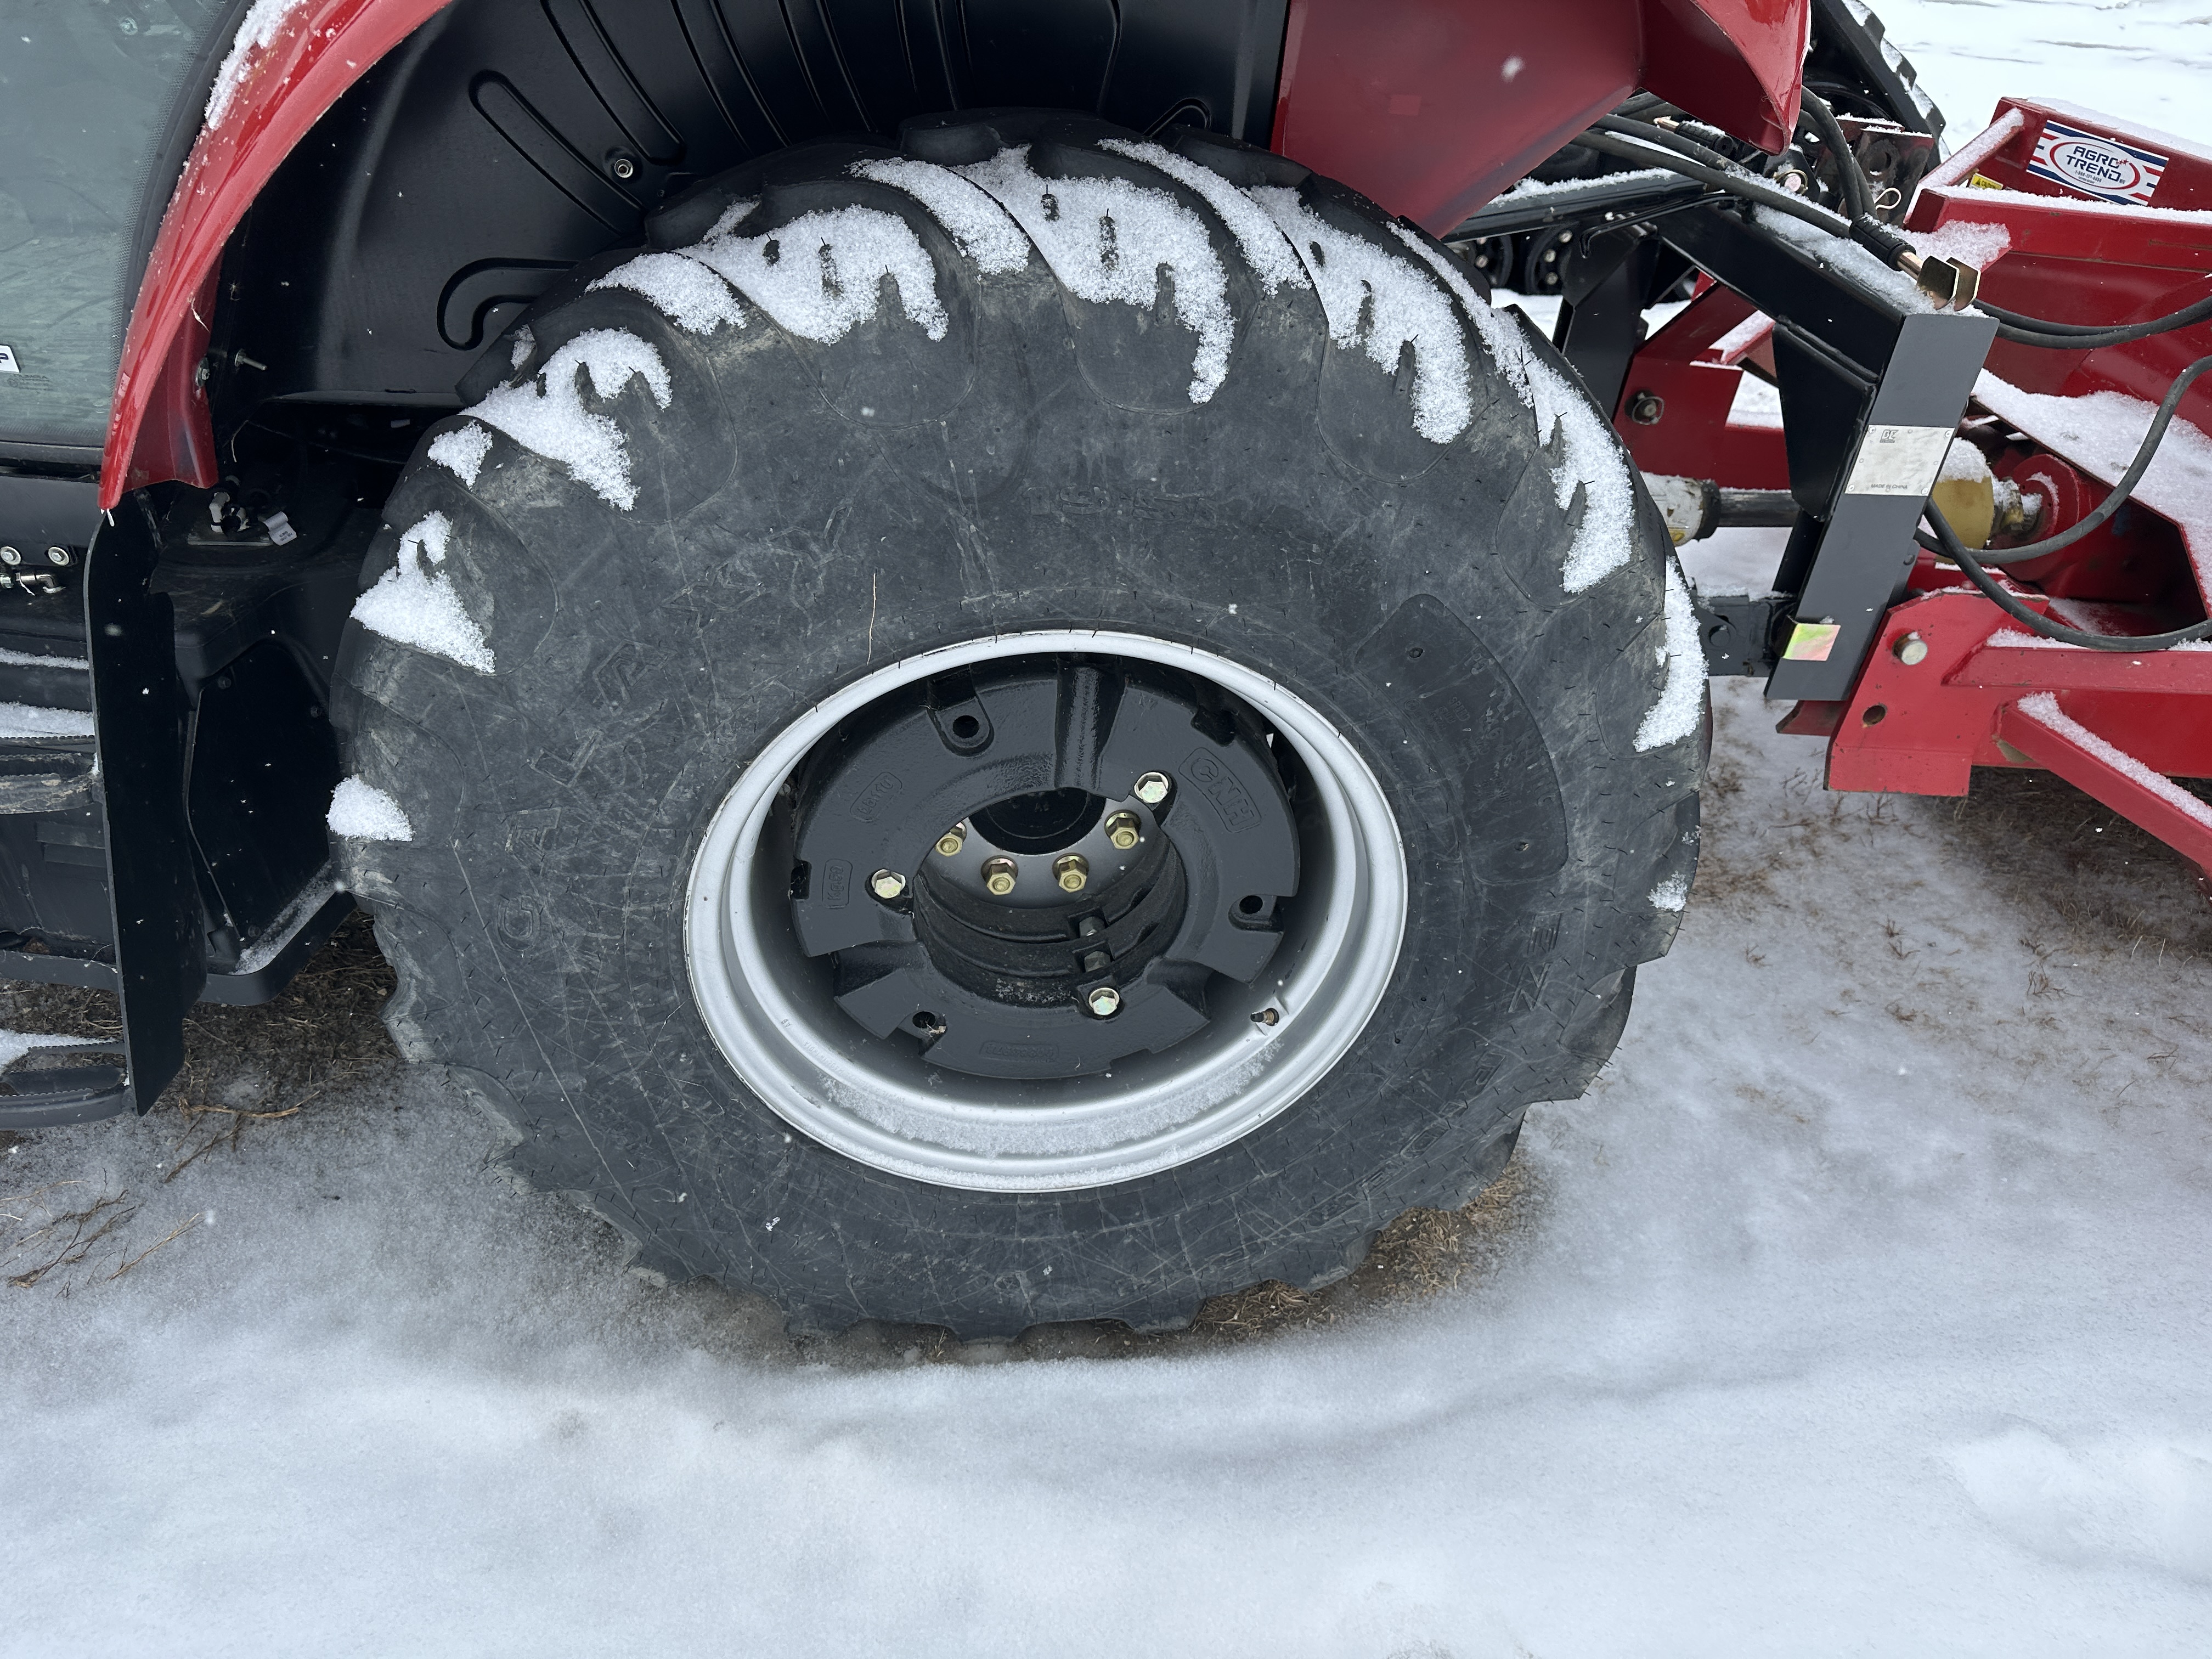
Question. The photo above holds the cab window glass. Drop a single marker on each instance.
(91, 92)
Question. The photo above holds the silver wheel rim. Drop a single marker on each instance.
(768, 1009)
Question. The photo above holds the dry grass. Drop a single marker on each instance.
(243, 1066)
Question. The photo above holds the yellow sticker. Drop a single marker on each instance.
(1812, 641)
(1983, 181)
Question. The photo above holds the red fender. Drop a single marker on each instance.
(158, 426)
(1430, 106)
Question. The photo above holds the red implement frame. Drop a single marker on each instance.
(1952, 683)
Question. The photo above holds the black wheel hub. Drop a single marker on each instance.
(1035, 871)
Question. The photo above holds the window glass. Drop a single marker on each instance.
(91, 93)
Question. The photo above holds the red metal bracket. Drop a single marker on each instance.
(2047, 735)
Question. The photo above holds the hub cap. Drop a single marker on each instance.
(1045, 912)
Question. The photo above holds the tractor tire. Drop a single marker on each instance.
(1026, 473)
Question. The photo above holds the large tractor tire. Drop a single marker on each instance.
(1030, 727)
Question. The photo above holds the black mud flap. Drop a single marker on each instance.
(139, 719)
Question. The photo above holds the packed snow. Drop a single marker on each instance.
(979, 227)
(686, 292)
(461, 451)
(1108, 241)
(23, 719)
(414, 601)
(820, 276)
(1681, 653)
(1384, 306)
(1265, 247)
(361, 811)
(547, 414)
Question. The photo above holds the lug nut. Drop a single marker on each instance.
(10, 556)
(1910, 650)
(57, 556)
(1123, 830)
(1070, 870)
(998, 876)
(1153, 788)
(1104, 1002)
(887, 883)
(953, 839)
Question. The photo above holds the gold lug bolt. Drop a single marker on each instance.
(953, 839)
(1104, 1002)
(1123, 830)
(1910, 650)
(887, 883)
(1071, 871)
(998, 876)
(1153, 788)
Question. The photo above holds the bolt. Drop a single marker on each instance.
(1070, 870)
(1123, 830)
(1646, 408)
(953, 839)
(998, 876)
(887, 883)
(1104, 1002)
(57, 556)
(623, 167)
(1153, 788)
(10, 556)
(1910, 650)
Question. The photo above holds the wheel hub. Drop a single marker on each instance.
(1034, 870)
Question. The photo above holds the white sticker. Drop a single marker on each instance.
(2097, 166)
(1899, 460)
(7, 363)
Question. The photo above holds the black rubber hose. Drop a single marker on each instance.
(1858, 200)
(1649, 152)
(2082, 337)
(1953, 548)
(2121, 491)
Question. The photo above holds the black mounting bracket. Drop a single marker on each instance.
(1874, 382)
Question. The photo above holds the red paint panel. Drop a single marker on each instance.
(1432, 107)
(1685, 367)
(159, 428)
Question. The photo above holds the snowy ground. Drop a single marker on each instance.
(1862, 1307)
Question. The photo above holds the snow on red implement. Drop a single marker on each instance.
(970, 680)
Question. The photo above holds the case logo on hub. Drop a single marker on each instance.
(2096, 166)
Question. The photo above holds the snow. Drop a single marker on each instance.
(1859, 1309)
(1265, 247)
(1969, 242)
(1384, 306)
(361, 811)
(1963, 461)
(1672, 894)
(979, 227)
(257, 32)
(2100, 433)
(525, 344)
(461, 451)
(23, 719)
(1841, 254)
(34, 659)
(1108, 241)
(14, 1045)
(2146, 61)
(304, 904)
(687, 293)
(1681, 704)
(821, 274)
(414, 601)
(2042, 708)
(548, 415)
